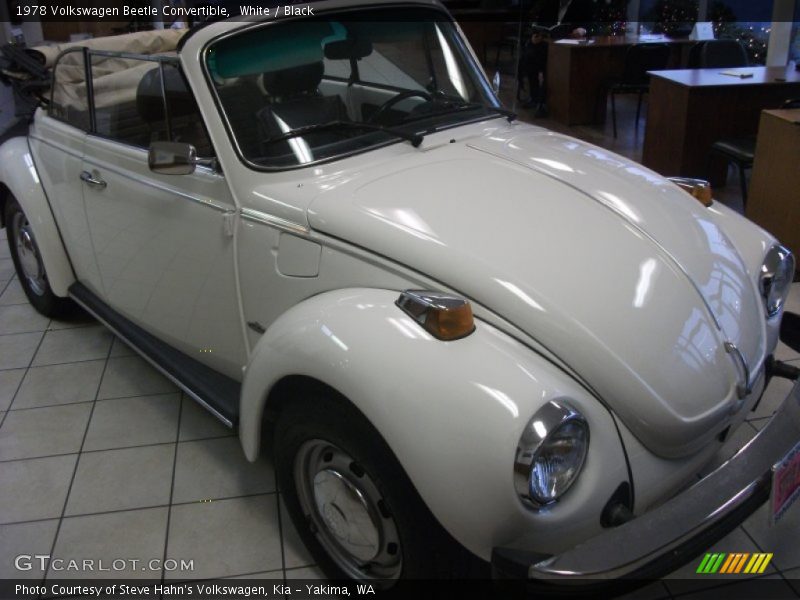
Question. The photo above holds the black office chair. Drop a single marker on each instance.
(694, 60)
(508, 41)
(639, 59)
(741, 151)
(722, 54)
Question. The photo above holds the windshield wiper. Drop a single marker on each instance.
(414, 138)
(508, 114)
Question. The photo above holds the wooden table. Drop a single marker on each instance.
(577, 74)
(691, 109)
(774, 199)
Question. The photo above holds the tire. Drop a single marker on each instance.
(328, 436)
(28, 263)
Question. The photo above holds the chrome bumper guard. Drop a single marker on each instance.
(666, 537)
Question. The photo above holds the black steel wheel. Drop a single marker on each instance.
(352, 503)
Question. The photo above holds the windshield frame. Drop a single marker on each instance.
(468, 54)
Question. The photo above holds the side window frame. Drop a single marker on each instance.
(87, 82)
(92, 129)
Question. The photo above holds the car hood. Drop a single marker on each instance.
(623, 276)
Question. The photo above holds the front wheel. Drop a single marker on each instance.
(353, 505)
(28, 263)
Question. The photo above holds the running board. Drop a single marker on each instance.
(217, 393)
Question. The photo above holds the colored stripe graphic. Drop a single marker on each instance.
(734, 563)
(759, 562)
(711, 563)
(730, 563)
(741, 563)
(703, 564)
(738, 563)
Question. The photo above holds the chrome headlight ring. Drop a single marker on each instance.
(775, 279)
(550, 454)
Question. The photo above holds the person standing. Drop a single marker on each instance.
(558, 19)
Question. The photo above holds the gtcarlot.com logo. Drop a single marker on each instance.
(26, 562)
(734, 562)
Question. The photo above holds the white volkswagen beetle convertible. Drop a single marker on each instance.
(469, 337)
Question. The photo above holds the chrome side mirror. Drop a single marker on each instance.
(496, 82)
(172, 158)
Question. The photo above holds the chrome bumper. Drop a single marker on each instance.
(664, 538)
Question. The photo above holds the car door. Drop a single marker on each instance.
(57, 140)
(163, 243)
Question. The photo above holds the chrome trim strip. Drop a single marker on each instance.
(193, 395)
(279, 223)
(746, 388)
(64, 148)
(158, 186)
(150, 183)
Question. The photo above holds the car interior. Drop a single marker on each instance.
(327, 75)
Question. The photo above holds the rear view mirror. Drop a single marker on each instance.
(172, 158)
(349, 49)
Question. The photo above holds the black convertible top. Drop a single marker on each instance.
(23, 70)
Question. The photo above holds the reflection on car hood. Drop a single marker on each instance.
(619, 273)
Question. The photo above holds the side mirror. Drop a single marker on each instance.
(496, 82)
(172, 158)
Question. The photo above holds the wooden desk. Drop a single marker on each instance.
(691, 109)
(774, 199)
(577, 74)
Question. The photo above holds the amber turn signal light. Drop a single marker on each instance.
(444, 316)
(697, 188)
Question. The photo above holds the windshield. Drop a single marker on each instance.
(302, 91)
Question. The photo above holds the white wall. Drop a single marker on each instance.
(780, 38)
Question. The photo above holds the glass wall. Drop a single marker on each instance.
(670, 17)
(505, 32)
(744, 20)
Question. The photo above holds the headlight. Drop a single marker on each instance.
(550, 453)
(777, 273)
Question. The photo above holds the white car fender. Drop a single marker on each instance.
(452, 412)
(18, 173)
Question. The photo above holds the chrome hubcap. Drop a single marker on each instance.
(30, 261)
(346, 512)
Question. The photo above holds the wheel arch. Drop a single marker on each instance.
(19, 179)
(437, 405)
(290, 387)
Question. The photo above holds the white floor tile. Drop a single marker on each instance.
(226, 537)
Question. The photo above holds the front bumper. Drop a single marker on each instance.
(665, 538)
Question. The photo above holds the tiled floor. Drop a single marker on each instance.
(101, 457)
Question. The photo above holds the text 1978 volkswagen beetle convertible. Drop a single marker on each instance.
(467, 334)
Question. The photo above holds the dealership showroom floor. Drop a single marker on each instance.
(103, 458)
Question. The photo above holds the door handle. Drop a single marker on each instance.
(87, 177)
